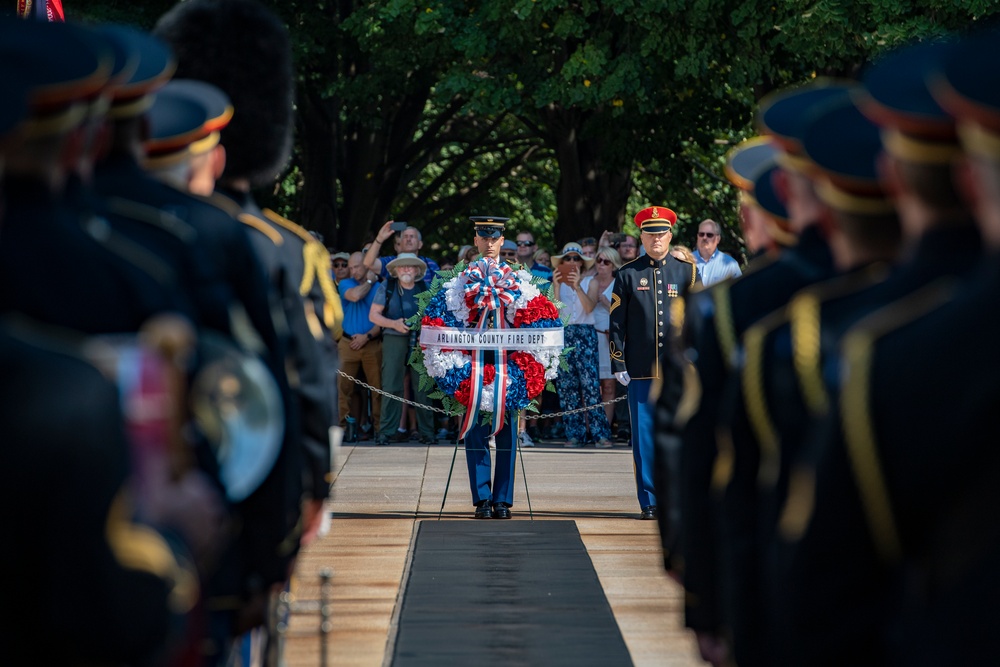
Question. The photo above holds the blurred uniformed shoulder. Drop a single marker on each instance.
(151, 215)
(638, 263)
(261, 226)
(285, 223)
(221, 202)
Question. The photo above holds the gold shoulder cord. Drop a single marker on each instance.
(856, 417)
(804, 316)
(256, 223)
(724, 327)
(756, 405)
(694, 275)
(317, 262)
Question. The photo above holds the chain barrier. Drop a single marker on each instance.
(456, 414)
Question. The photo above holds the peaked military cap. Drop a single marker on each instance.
(132, 94)
(489, 226)
(175, 122)
(967, 85)
(61, 67)
(897, 97)
(748, 159)
(783, 114)
(655, 219)
(218, 110)
(243, 48)
(844, 145)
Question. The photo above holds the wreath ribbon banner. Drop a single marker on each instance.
(453, 338)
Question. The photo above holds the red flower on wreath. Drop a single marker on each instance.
(431, 322)
(534, 372)
(464, 392)
(539, 308)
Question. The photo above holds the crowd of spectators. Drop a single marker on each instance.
(362, 278)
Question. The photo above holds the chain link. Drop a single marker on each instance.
(456, 414)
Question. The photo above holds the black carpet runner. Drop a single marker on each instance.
(505, 593)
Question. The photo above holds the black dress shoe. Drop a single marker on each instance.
(501, 511)
(648, 512)
(483, 510)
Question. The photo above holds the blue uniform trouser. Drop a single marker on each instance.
(477, 455)
(641, 410)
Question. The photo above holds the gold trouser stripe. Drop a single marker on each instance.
(859, 438)
(804, 314)
(724, 327)
(756, 406)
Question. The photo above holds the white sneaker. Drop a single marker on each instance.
(524, 440)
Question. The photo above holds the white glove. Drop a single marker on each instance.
(622, 376)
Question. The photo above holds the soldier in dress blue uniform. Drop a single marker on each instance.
(640, 335)
(209, 41)
(839, 476)
(493, 500)
(714, 324)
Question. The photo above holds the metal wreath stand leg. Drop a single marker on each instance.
(451, 470)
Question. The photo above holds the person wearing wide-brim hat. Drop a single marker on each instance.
(405, 259)
(395, 302)
(572, 249)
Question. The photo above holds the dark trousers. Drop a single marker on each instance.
(477, 456)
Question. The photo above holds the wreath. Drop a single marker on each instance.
(483, 306)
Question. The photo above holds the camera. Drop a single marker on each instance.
(616, 240)
(398, 226)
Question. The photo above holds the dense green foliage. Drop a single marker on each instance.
(565, 116)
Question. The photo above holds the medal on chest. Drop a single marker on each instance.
(643, 285)
(672, 289)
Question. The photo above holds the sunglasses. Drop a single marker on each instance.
(706, 235)
(525, 244)
(572, 258)
(339, 265)
(602, 260)
(508, 252)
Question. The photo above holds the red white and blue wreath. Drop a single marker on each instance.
(487, 306)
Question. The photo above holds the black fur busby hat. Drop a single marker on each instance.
(243, 48)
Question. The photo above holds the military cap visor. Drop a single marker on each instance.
(783, 113)
(896, 93)
(844, 144)
(489, 226)
(59, 64)
(748, 159)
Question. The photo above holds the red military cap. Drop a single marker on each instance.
(655, 219)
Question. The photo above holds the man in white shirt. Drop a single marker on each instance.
(714, 266)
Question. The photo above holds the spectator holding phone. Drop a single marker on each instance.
(581, 387)
(627, 246)
(410, 241)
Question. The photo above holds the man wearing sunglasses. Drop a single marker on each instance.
(640, 335)
(338, 261)
(714, 266)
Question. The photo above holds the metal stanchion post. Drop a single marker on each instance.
(325, 613)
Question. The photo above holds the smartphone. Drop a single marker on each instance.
(615, 240)
(398, 226)
(564, 270)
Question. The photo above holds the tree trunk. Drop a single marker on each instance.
(591, 197)
(318, 141)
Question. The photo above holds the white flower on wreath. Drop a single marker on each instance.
(438, 363)
(455, 298)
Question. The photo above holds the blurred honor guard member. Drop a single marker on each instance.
(640, 324)
(491, 501)
(211, 44)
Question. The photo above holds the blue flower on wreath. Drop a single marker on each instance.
(438, 307)
(542, 324)
(517, 392)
